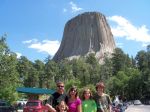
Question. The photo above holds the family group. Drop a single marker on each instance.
(71, 102)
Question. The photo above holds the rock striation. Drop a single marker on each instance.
(86, 33)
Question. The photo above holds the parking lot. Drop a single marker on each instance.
(138, 108)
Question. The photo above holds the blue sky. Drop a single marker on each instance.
(34, 28)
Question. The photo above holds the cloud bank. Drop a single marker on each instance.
(47, 46)
(126, 29)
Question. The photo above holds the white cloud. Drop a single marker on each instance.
(30, 41)
(74, 7)
(18, 55)
(47, 46)
(125, 28)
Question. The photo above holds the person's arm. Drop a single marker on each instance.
(79, 105)
(50, 108)
(49, 104)
(110, 108)
(110, 103)
(79, 108)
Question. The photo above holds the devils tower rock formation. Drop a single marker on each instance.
(86, 33)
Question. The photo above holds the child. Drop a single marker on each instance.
(74, 102)
(102, 100)
(62, 107)
(88, 104)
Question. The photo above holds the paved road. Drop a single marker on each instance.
(138, 108)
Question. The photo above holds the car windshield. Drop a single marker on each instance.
(32, 104)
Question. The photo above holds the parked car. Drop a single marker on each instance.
(137, 102)
(35, 106)
(6, 107)
(22, 101)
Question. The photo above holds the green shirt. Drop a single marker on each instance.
(89, 106)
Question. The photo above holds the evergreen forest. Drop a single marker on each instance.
(123, 75)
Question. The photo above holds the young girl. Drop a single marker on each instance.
(62, 107)
(88, 104)
(74, 102)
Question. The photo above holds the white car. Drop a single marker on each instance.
(137, 102)
(22, 101)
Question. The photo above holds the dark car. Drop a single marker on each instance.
(6, 107)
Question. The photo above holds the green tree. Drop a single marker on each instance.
(106, 69)
(39, 66)
(33, 77)
(143, 64)
(118, 84)
(8, 75)
(51, 71)
(141, 60)
(65, 71)
(120, 61)
(93, 68)
(81, 70)
(23, 67)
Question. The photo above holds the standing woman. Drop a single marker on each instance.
(88, 104)
(74, 102)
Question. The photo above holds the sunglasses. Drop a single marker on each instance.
(73, 90)
(60, 86)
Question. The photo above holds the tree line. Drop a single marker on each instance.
(123, 75)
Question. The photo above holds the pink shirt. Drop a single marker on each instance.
(73, 105)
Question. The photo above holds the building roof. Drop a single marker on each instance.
(35, 90)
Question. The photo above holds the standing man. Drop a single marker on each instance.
(57, 97)
(102, 100)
